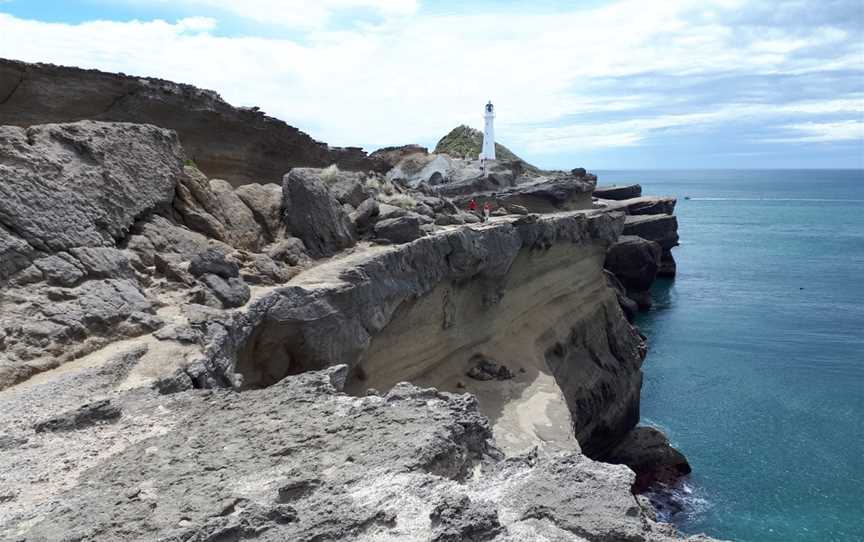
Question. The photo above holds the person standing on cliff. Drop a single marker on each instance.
(472, 206)
(487, 211)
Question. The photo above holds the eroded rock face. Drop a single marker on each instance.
(102, 233)
(241, 145)
(296, 461)
(313, 214)
(635, 261)
(83, 184)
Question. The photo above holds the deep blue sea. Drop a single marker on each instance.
(756, 361)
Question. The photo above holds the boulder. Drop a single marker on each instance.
(634, 261)
(87, 415)
(313, 214)
(290, 250)
(265, 202)
(213, 261)
(618, 192)
(403, 229)
(231, 292)
(346, 186)
(83, 184)
(365, 213)
(647, 451)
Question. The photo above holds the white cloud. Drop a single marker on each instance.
(294, 13)
(825, 132)
(413, 78)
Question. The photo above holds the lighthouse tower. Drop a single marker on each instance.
(488, 152)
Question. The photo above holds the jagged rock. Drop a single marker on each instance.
(634, 261)
(403, 229)
(486, 369)
(618, 192)
(171, 267)
(60, 269)
(213, 261)
(158, 234)
(89, 414)
(231, 292)
(195, 203)
(291, 251)
(388, 157)
(15, 253)
(262, 269)
(265, 202)
(59, 191)
(366, 211)
(241, 145)
(516, 209)
(242, 230)
(313, 214)
(347, 187)
(458, 519)
(179, 333)
(647, 451)
(630, 307)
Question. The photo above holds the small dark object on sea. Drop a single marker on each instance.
(686, 197)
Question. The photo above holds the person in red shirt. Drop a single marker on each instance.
(472, 205)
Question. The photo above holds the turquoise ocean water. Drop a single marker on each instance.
(756, 361)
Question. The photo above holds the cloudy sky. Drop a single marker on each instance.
(601, 84)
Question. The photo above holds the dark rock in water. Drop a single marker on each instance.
(634, 261)
(213, 262)
(458, 518)
(231, 292)
(662, 229)
(313, 214)
(403, 229)
(642, 298)
(668, 267)
(87, 415)
(486, 369)
(647, 451)
(618, 192)
(241, 145)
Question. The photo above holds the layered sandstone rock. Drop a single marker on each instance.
(240, 145)
(174, 281)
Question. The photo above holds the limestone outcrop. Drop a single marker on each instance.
(240, 145)
(296, 461)
(282, 322)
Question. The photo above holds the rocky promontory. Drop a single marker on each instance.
(342, 355)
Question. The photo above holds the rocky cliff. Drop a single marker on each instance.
(240, 145)
(139, 296)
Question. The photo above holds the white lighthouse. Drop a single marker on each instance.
(488, 152)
